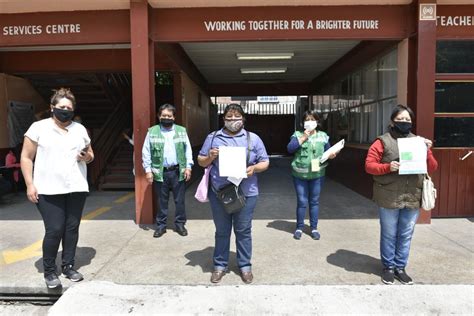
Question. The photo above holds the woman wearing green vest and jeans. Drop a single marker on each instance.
(398, 196)
(308, 173)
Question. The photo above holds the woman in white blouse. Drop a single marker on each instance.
(59, 150)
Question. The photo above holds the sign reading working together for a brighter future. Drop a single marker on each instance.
(282, 25)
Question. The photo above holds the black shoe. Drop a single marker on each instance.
(388, 276)
(52, 281)
(403, 277)
(159, 232)
(72, 274)
(181, 230)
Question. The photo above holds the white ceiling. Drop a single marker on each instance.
(218, 62)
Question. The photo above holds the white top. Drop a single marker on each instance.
(56, 169)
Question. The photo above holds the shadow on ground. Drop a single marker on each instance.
(203, 258)
(84, 256)
(354, 262)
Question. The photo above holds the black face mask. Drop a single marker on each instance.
(166, 122)
(403, 128)
(63, 115)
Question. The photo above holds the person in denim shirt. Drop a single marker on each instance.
(233, 134)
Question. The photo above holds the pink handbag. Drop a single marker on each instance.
(201, 192)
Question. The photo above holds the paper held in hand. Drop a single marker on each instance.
(412, 152)
(232, 162)
(334, 149)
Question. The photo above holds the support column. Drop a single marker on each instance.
(142, 56)
(426, 71)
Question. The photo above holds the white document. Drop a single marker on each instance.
(232, 162)
(235, 181)
(412, 152)
(334, 149)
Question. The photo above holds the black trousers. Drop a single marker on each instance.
(170, 183)
(61, 217)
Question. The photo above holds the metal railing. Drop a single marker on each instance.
(264, 108)
(107, 140)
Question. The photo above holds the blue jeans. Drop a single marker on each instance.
(242, 223)
(307, 193)
(396, 230)
(162, 189)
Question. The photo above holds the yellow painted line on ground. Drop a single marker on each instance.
(95, 213)
(125, 198)
(34, 250)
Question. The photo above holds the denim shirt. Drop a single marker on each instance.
(258, 153)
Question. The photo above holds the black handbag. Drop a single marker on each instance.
(231, 196)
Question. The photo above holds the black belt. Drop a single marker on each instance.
(171, 168)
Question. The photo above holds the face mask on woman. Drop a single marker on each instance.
(63, 115)
(310, 125)
(403, 128)
(234, 125)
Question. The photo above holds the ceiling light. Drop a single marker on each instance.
(264, 56)
(279, 70)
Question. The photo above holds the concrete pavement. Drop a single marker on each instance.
(112, 249)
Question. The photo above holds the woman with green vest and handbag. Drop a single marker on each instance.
(308, 173)
(398, 196)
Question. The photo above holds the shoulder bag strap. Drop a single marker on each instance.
(248, 147)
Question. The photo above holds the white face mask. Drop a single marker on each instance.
(310, 125)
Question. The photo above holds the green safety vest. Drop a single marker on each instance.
(157, 145)
(311, 149)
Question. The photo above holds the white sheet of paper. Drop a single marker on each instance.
(412, 152)
(235, 181)
(232, 161)
(334, 149)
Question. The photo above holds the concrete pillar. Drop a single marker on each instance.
(426, 71)
(143, 92)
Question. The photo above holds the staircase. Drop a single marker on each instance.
(119, 174)
(104, 104)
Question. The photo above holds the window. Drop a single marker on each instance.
(363, 100)
(454, 97)
(388, 75)
(454, 132)
(369, 83)
(455, 57)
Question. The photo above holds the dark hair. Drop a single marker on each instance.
(168, 107)
(62, 93)
(310, 113)
(400, 108)
(233, 107)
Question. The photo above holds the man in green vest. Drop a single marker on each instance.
(167, 161)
